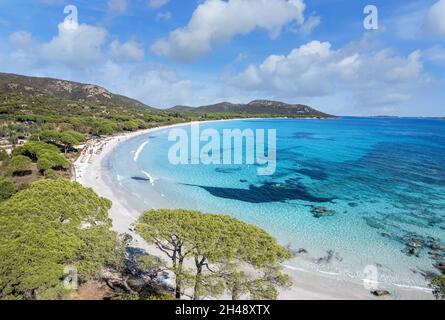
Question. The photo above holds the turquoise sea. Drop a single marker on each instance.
(352, 192)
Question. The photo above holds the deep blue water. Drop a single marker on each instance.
(379, 184)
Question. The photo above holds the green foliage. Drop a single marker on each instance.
(13, 138)
(50, 174)
(160, 296)
(126, 297)
(44, 164)
(221, 241)
(51, 136)
(34, 253)
(130, 125)
(38, 150)
(3, 155)
(66, 139)
(47, 227)
(56, 160)
(147, 263)
(7, 188)
(261, 287)
(79, 137)
(68, 202)
(20, 164)
(103, 127)
(35, 149)
(100, 247)
(438, 286)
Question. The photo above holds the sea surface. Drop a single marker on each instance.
(351, 192)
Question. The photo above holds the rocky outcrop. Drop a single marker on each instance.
(441, 267)
(96, 91)
(380, 293)
(320, 212)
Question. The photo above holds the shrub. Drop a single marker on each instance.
(161, 296)
(50, 174)
(35, 149)
(38, 150)
(130, 125)
(20, 165)
(43, 164)
(57, 160)
(438, 286)
(7, 188)
(103, 127)
(66, 139)
(3, 155)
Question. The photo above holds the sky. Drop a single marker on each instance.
(330, 54)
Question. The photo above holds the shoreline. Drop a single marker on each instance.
(90, 171)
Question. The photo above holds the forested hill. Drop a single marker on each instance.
(29, 104)
(257, 108)
(65, 92)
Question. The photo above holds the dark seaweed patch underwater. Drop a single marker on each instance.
(267, 192)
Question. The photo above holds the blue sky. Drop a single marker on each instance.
(170, 52)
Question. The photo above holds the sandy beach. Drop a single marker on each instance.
(90, 172)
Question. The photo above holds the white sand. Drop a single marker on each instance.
(306, 284)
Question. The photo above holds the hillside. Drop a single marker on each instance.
(63, 90)
(30, 104)
(257, 108)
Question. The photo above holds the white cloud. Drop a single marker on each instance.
(162, 87)
(130, 51)
(310, 24)
(164, 16)
(304, 72)
(21, 39)
(156, 4)
(78, 53)
(435, 19)
(117, 7)
(75, 47)
(216, 22)
(436, 55)
(159, 85)
(375, 79)
(151, 83)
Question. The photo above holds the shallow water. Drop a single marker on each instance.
(382, 181)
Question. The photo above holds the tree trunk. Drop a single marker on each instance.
(178, 274)
(235, 293)
(178, 289)
(198, 283)
(126, 286)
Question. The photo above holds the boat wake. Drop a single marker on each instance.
(139, 151)
(150, 178)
